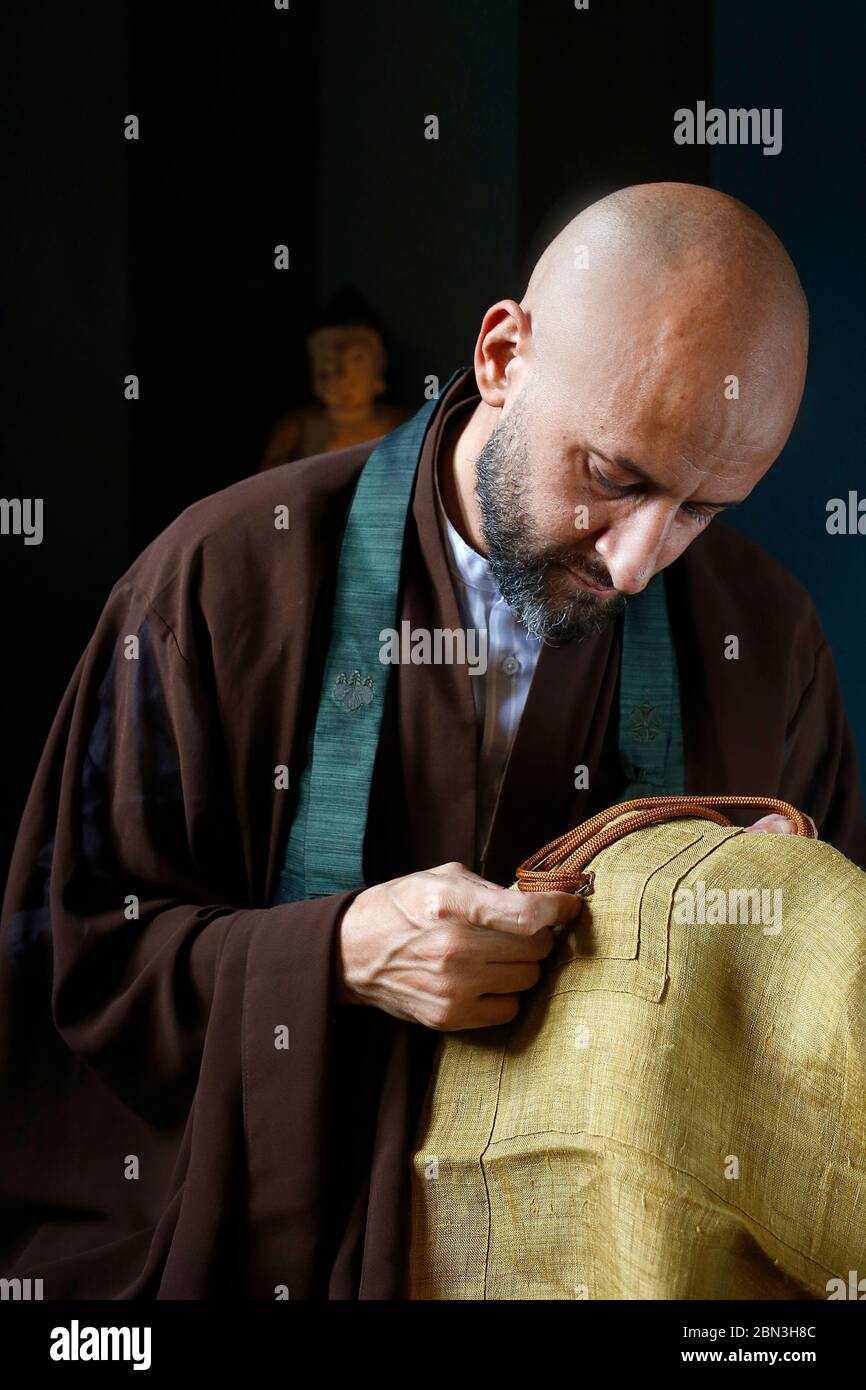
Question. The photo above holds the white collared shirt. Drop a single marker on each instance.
(500, 692)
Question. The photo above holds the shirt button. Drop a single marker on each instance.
(510, 665)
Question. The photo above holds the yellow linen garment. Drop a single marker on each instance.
(679, 1109)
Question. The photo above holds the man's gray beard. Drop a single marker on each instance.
(519, 566)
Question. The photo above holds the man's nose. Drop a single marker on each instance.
(633, 546)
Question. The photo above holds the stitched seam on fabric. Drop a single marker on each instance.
(631, 961)
(670, 866)
(606, 988)
(638, 970)
(641, 978)
(684, 1172)
(481, 1166)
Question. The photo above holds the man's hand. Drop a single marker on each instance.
(446, 948)
(775, 825)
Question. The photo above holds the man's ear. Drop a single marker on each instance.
(501, 350)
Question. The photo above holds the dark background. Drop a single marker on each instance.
(305, 127)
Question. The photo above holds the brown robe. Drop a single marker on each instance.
(156, 1142)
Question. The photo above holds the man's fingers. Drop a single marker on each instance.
(480, 903)
(510, 977)
(776, 825)
(493, 1009)
(771, 825)
(521, 913)
(495, 946)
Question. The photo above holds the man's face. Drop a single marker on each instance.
(536, 574)
(587, 492)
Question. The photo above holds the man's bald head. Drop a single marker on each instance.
(650, 376)
(679, 237)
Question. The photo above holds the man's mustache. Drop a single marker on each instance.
(591, 573)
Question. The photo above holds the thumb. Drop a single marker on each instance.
(771, 825)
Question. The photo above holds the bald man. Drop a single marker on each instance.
(262, 867)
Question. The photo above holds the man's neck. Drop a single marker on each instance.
(462, 442)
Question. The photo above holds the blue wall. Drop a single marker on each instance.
(809, 62)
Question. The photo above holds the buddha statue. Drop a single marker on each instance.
(347, 364)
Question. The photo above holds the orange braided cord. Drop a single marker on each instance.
(565, 859)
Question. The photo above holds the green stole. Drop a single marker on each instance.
(324, 853)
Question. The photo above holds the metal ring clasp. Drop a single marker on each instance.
(587, 889)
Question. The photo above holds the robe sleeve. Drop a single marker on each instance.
(202, 1008)
(821, 774)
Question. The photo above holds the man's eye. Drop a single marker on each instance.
(698, 514)
(702, 515)
(606, 483)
